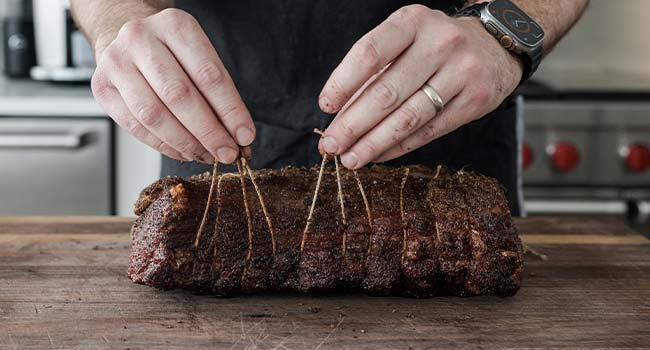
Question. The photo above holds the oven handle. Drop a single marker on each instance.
(585, 207)
(31, 140)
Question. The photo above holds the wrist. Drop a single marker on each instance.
(511, 61)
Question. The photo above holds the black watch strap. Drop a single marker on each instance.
(531, 63)
(471, 11)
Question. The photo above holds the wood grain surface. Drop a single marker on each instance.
(63, 286)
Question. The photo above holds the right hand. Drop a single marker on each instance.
(162, 81)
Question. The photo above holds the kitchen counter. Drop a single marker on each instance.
(24, 97)
(63, 285)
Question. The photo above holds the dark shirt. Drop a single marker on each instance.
(280, 53)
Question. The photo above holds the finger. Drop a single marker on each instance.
(350, 101)
(200, 60)
(405, 76)
(177, 92)
(405, 120)
(455, 114)
(112, 103)
(144, 104)
(358, 93)
(367, 56)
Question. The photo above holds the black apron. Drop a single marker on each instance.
(280, 53)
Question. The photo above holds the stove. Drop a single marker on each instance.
(587, 143)
(587, 151)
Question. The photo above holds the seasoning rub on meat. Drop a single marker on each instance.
(407, 231)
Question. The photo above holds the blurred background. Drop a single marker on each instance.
(585, 116)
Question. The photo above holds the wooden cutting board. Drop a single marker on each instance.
(63, 285)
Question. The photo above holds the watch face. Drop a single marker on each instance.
(522, 27)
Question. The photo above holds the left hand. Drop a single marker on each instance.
(383, 114)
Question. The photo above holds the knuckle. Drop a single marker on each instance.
(188, 148)
(112, 56)
(346, 129)
(450, 41)
(401, 20)
(134, 128)
(132, 30)
(156, 65)
(403, 148)
(438, 20)
(455, 37)
(368, 149)
(481, 96)
(209, 75)
(428, 133)
(412, 13)
(160, 146)
(99, 85)
(395, 22)
(175, 91)
(168, 151)
(178, 18)
(209, 135)
(438, 14)
(149, 114)
(367, 53)
(407, 118)
(384, 93)
(401, 15)
(171, 13)
(231, 112)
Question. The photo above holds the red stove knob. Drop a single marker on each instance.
(564, 156)
(527, 156)
(637, 157)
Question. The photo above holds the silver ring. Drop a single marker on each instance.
(432, 94)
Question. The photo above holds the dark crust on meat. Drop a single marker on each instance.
(460, 238)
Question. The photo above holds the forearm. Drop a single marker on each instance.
(555, 16)
(100, 20)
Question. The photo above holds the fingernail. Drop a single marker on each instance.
(226, 155)
(244, 136)
(324, 103)
(350, 160)
(329, 145)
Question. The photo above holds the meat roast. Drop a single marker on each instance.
(410, 231)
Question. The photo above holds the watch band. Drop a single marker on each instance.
(535, 59)
(531, 60)
(472, 10)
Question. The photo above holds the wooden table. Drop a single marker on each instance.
(63, 285)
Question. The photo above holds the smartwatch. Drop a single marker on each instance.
(514, 29)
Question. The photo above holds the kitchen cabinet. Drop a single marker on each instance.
(61, 154)
(55, 166)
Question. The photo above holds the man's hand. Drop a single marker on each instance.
(161, 79)
(383, 114)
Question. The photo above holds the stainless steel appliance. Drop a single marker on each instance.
(588, 154)
(52, 166)
(598, 148)
(588, 118)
